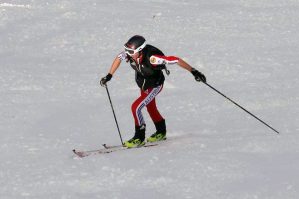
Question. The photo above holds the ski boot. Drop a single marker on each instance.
(138, 139)
(160, 134)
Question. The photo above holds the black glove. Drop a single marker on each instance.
(198, 75)
(104, 80)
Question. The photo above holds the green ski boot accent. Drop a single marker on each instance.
(138, 139)
(160, 133)
(134, 143)
(157, 137)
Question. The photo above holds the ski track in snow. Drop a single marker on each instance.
(53, 54)
(4, 5)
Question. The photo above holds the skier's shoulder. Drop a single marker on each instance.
(150, 50)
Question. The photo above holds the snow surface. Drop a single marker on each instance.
(53, 54)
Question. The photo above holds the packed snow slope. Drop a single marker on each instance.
(53, 53)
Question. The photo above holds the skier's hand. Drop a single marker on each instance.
(198, 75)
(105, 79)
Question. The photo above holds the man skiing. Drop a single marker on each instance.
(148, 63)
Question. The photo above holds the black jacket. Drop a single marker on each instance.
(147, 75)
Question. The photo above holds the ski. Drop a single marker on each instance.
(111, 147)
(107, 149)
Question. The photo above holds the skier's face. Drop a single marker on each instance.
(135, 56)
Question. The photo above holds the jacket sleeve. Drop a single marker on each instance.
(122, 56)
(161, 59)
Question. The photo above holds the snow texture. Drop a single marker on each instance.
(53, 53)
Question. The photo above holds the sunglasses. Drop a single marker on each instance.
(132, 52)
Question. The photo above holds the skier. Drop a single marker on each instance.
(148, 63)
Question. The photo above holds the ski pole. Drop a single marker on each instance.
(114, 114)
(241, 107)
